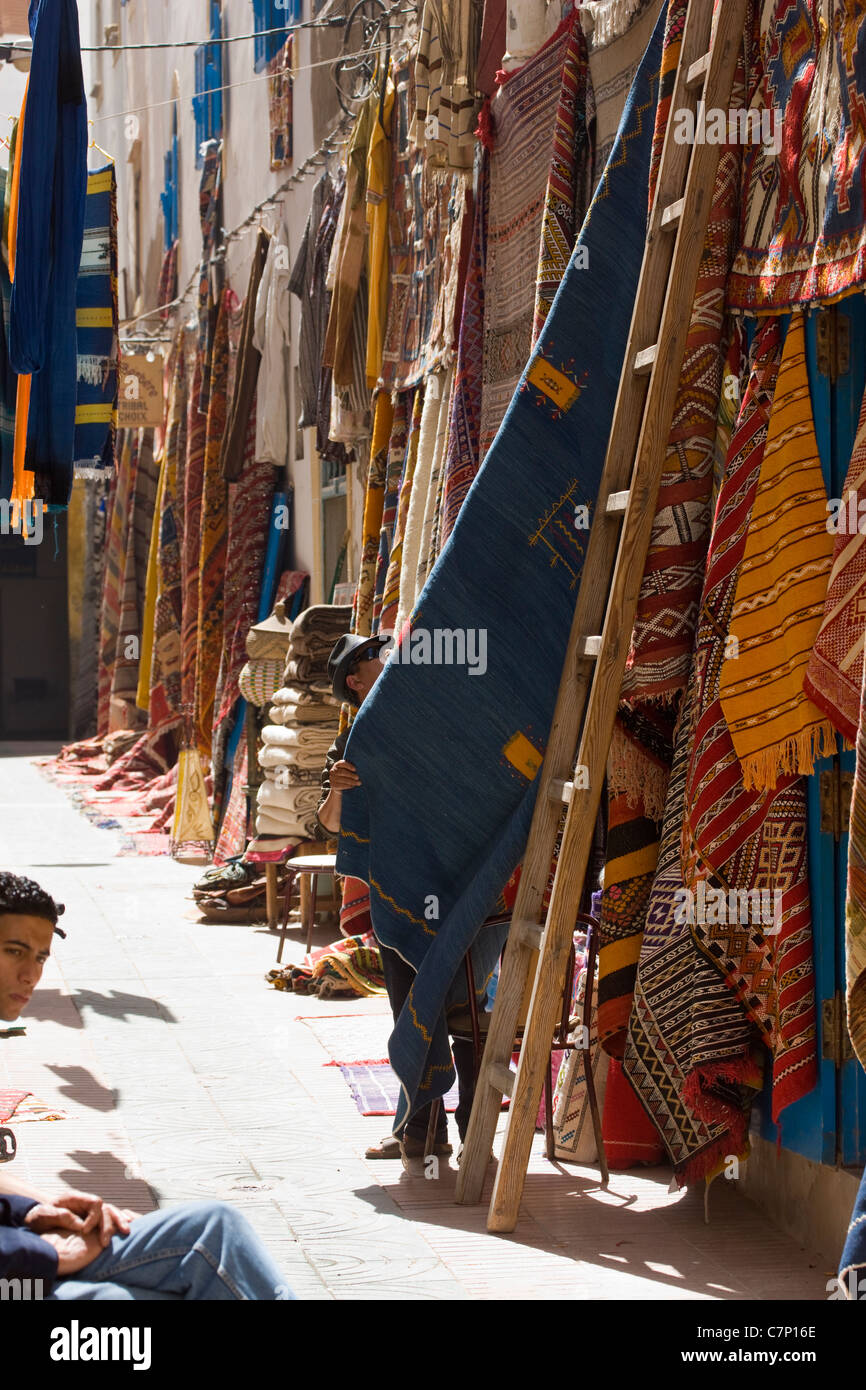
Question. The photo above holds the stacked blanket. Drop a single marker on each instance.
(304, 718)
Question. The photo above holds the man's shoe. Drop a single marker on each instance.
(410, 1147)
(387, 1148)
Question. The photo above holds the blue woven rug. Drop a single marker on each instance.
(448, 753)
(852, 1266)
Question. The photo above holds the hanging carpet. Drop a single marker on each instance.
(435, 836)
(834, 675)
(855, 905)
(660, 653)
(804, 235)
(708, 991)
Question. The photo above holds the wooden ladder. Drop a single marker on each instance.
(606, 604)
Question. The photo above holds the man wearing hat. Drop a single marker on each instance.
(354, 666)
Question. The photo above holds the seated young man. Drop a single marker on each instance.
(354, 666)
(79, 1246)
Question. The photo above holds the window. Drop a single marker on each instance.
(207, 104)
(169, 196)
(269, 15)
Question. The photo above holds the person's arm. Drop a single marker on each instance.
(12, 1186)
(79, 1212)
(330, 807)
(23, 1254)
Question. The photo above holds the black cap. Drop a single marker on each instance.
(343, 657)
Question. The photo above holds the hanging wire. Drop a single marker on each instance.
(332, 22)
(231, 86)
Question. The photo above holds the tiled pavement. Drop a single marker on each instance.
(183, 1076)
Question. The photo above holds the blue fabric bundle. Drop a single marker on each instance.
(42, 336)
(448, 753)
(852, 1266)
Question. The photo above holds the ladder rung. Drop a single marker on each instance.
(502, 1078)
(616, 503)
(644, 360)
(698, 71)
(560, 791)
(589, 646)
(526, 934)
(673, 212)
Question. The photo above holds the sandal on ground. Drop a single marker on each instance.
(414, 1148)
(386, 1148)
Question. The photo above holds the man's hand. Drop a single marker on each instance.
(74, 1252)
(96, 1215)
(343, 775)
(46, 1217)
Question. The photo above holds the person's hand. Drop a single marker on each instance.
(96, 1215)
(343, 775)
(74, 1252)
(47, 1217)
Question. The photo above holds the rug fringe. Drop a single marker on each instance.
(606, 20)
(632, 774)
(795, 756)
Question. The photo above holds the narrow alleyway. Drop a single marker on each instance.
(183, 1075)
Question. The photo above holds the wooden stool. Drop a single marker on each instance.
(307, 867)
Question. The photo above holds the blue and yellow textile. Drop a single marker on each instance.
(50, 227)
(96, 321)
(449, 752)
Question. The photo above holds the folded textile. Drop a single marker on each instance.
(303, 695)
(271, 822)
(270, 849)
(299, 799)
(317, 629)
(291, 757)
(309, 714)
(309, 739)
(259, 679)
(427, 827)
(288, 775)
(308, 669)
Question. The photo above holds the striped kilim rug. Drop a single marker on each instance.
(709, 991)
(855, 906)
(449, 760)
(660, 655)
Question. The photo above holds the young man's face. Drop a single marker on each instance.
(25, 945)
(364, 677)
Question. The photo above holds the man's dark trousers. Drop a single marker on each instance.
(399, 977)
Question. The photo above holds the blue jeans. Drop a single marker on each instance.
(201, 1250)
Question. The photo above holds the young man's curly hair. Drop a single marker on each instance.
(25, 898)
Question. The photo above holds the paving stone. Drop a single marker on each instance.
(184, 1076)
